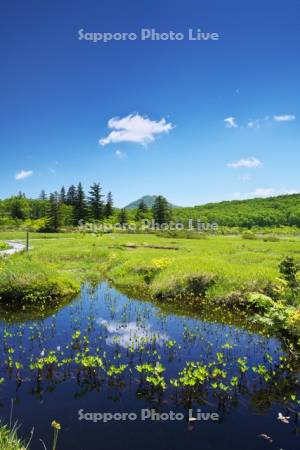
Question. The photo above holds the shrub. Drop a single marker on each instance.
(288, 270)
(191, 286)
(260, 301)
(249, 235)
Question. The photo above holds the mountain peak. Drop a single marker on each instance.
(147, 199)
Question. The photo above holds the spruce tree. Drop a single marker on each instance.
(142, 207)
(109, 205)
(80, 208)
(142, 210)
(123, 217)
(43, 195)
(71, 195)
(95, 202)
(62, 195)
(54, 213)
(161, 210)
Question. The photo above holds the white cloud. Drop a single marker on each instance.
(264, 192)
(257, 123)
(121, 155)
(257, 193)
(290, 192)
(135, 128)
(284, 118)
(231, 122)
(249, 163)
(23, 174)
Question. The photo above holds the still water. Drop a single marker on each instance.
(82, 359)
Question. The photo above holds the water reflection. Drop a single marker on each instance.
(106, 352)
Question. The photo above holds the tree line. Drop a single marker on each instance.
(66, 207)
(72, 206)
(77, 205)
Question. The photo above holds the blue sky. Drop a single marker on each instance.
(196, 121)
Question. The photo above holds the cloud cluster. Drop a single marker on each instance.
(131, 334)
(284, 118)
(23, 174)
(248, 163)
(135, 128)
(230, 122)
(263, 193)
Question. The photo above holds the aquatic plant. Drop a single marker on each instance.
(153, 374)
(56, 428)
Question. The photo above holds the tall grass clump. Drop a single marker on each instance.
(9, 439)
(4, 246)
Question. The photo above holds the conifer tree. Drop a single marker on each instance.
(142, 210)
(62, 195)
(95, 202)
(43, 195)
(123, 217)
(71, 195)
(142, 207)
(80, 208)
(54, 213)
(161, 210)
(109, 205)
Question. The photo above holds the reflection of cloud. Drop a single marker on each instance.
(130, 333)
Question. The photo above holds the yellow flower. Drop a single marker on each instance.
(56, 425)
(160, 263)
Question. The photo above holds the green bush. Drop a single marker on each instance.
(190, 286)
(260, 301)
(249, 235)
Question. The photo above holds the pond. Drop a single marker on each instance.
(209, 385)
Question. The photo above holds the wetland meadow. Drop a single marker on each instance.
(128, 338)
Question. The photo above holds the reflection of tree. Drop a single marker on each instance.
(14, 313)
(282, 385)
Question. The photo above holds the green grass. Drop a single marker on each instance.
(9, 439)
(220, 267)
(4, 246)
(232, 261)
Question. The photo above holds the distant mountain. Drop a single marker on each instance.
(148, 200)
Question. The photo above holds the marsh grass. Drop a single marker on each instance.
(4, 246)
(23, 279)
(217, 268)
(9, 438)
(231, 261)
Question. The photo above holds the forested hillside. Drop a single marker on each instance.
(272, 211)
